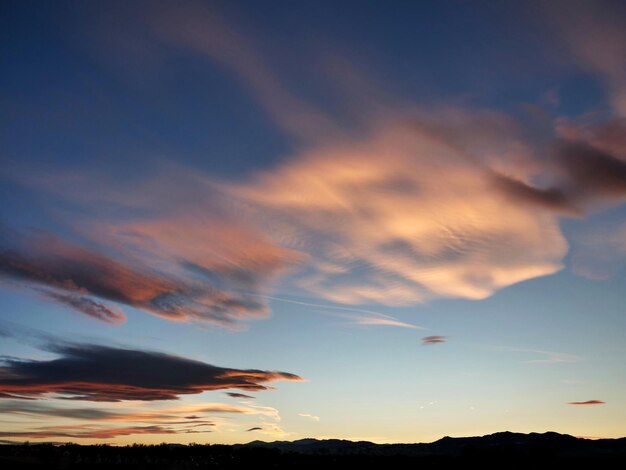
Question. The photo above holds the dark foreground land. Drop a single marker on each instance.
(501, 450)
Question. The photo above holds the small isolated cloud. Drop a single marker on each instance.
(310, 416)
(101, 373)
(588, 402)
(256, 428)
(427, 340)
(240, 395)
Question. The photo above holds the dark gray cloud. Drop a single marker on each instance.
(240, 395)
(583, 174)
(426, 340)
(101, 373)
(588, 402)
(591, 172)
(553, 199)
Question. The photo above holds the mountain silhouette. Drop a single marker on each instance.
(500, 450)
(551, 443)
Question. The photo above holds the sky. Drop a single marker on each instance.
(238, 220)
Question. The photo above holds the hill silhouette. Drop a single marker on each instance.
(503, 449)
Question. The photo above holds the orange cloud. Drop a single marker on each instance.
(409, 213)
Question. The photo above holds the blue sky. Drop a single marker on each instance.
(195, 195)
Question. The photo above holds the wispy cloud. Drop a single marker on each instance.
(89, 307)
(189, 284)
(551, 357)
(545, 357)
(595, 34)
(310, 416)
(188, 414)
(204, 31)
(383, 321)
(599, 252)
(92, 432)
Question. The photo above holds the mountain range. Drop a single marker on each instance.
(501, 450)
(509, 443)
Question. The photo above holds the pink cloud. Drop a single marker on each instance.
(409, 213)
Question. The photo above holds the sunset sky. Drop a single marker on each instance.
(370, 220)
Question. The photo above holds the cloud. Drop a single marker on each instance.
(593, 171)
(240, 395)
(402, 207)
(409, 213)
(88, 306)
(426, 340)
(424, 222)
(600, 251)
(45, 409)
(404, 210)
(90, 432)
(588, 402)
(587, 169)
(310, 416)
(202, 30)
(554, 199)
(591, 161)
(547, 357)
(383, 321)
(551, 357)
(101, 373)
(170, 416)
(177, 419)
(203, 290)
(606, 135)
(595, 34)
